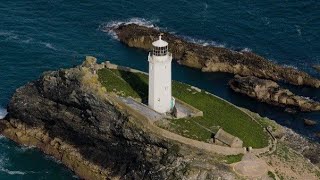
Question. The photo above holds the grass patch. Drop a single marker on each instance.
(271, 175)
(233, 158)
(216, 111)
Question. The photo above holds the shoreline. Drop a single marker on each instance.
(69, 156)
(66, 153)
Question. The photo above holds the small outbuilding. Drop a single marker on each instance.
(225, 139)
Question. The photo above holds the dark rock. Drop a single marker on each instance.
(213, 59)
(316, 67)
(290, 110)
(309, 122)
(270, 92)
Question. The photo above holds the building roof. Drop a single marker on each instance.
(160, 43)
(225, 137)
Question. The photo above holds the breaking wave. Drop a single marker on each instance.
(23, 149)
(109, 26)
(12, 172)
(290, 66)
(23, 39)
(203, 42)
(48, 45)
(3, 162)
(246, 50)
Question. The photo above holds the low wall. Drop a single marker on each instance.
(195, 112)
(109, 65)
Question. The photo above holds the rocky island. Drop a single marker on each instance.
(270, 92)
(213, 59)
(80, 117)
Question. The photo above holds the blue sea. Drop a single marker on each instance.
(37, 36)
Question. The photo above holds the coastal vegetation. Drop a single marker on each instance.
(233, 158)
(217, 112)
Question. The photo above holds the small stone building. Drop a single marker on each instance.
(225, 139)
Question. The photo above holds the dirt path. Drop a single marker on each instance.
(251, 167)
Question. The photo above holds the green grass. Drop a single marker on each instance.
(233, 158)
(216, 111)
(271, 175)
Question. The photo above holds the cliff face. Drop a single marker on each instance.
(67, 114)
(214, 59)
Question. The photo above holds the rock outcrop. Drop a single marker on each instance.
(270, 92)
(309, 122)
(213, 59)
(68, 115)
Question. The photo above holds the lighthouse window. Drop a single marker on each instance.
(160, 51)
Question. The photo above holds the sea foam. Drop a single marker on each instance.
(3, 113)
(109, 26)
(12, 172)
(12, 36)
(202, 42)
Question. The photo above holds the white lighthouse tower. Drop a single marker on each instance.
(160, 98)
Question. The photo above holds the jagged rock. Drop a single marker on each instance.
(290, 110)
(270, 92)
(316, 67)
(67, 115)
(309, 122)
(213, 59)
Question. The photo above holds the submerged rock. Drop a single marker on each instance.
(316, 67)
(309, 122)
(270, 92)
(213, 59)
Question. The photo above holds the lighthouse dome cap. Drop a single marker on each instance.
(160, 42)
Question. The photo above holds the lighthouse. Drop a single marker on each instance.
(160, 98)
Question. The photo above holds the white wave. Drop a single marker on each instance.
(23, 39)
(3, 112)
(290, 66)
(203, 42)
(51, 158)
(4, 161)
(12, 172)
(48, 45)
(298, 29)
(265, 20)
(24, 148)
(109, 26)
(246, 50)
(15, 37)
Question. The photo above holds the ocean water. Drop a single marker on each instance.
(37, 36)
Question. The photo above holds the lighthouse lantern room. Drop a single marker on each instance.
(160, 98)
